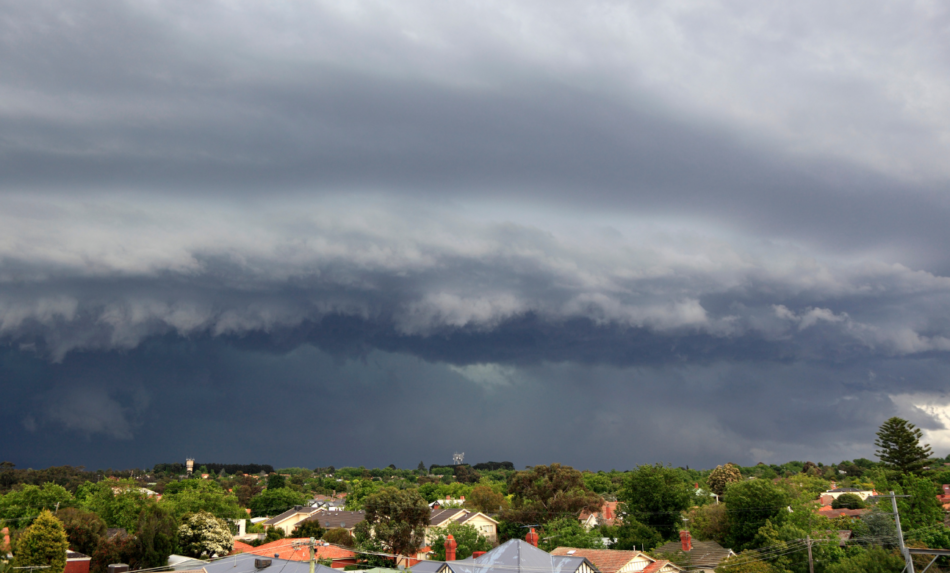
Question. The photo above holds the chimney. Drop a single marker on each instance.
(5, 546)
(477, 554)
(450, 546)
(834, 485)
(118, 568)
(532, 537)
(686, 541)
(696, 485)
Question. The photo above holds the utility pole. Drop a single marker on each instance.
(811, 562)
(313, 555)
(908, 559)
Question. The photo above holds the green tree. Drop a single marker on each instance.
(745, 562)
(339, 536)
(201, 495)
(273, 534)
(359, 490)
(750, 504)
(872, 560)
(43, 544)
(120, 509)
(156, 536)
(117, 549)
(848, 501)
(922, 508)
(29, 500)
(722, 476)
(709, 523)
(633, 534)
(568, 532)
(483, 498)
(655, 496)
(308, 529)
(275, 501)
(398, 519)
(899, 446)
(421, 468)
(466, 536)
(84, 529)
(543, 493)
(204, 535)
(598, 482)
(276, 481)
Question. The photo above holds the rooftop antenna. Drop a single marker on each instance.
(457, 457)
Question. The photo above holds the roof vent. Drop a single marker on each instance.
(262, 563)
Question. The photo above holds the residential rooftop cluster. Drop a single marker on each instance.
(460, 518)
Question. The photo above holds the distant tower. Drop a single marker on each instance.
(190, 465)
(457, 457)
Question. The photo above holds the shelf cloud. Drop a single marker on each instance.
(717, 227)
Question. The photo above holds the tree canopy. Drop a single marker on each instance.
(398, 518)
(656, 496)
(543, 493)
(899, 446)
(466, 536)
(43, 544)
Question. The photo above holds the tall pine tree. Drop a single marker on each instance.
(900, 449)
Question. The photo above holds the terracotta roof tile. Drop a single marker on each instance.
(284, 549)
(607, 560)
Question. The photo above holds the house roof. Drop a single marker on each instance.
(518, 555)
(241, 547)
(344, 519)
(607, 560)
(290, 513)
(284, 549)
(704, 555)
(244, 563)
(439, 516)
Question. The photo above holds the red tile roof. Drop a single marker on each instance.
(607, 560)
(241, 547)
(655, 566)
(284, 549)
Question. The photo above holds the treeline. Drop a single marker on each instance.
(213, 468)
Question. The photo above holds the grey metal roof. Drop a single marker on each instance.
(244, 563)
(518, 555)
(306, 510)
(440, 516)
(331, 519)
(427, 567)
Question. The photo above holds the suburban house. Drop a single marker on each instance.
(835, 492)
(448, 502)
(343, 519)
(607, 515)
(514, 556)
(618, 561)
(290, 518)
(485, 525)
(298, 549)
(329, 503)
(694, 555)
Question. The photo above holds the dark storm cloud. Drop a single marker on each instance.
(569, 106)
(726, 220)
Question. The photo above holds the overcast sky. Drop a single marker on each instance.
(359, 232)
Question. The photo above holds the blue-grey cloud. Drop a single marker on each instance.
(733, 214)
